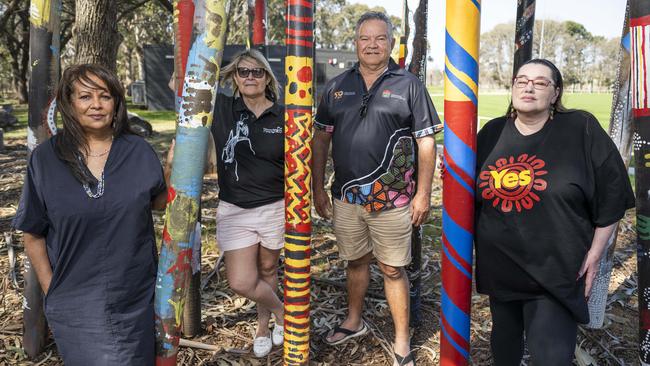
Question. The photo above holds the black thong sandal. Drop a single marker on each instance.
(349, 334)
(402, 361)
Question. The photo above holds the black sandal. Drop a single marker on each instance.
(349, 334)
(402, 361)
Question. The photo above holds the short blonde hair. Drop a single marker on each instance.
(228, 73)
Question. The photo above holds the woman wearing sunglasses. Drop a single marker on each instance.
(248, 131)
(551, 186)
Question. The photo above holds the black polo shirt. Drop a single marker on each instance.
(373, 132)
(250, 153)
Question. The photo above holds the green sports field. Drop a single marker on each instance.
(492, 105)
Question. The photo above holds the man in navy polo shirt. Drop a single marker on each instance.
(377, 116)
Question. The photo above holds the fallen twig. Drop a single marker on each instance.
(194, 344)
(598, 342)
(214, 271)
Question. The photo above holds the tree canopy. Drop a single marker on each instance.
(114, 32)
(584, 59)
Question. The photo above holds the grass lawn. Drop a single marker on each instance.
(495, 105)
(489, 106)
(160, 120)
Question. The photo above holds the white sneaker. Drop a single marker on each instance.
(262, 346)
(277, 335)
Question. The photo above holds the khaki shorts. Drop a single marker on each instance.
(387, 234)
(239, 228)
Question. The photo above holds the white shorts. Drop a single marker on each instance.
(239, 228)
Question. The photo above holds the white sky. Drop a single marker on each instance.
(600, 17)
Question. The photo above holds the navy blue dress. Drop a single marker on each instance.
(102, 251)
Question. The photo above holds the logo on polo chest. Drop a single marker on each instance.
(390, 95)
(272, 130)
(340, 94)
(514, 183)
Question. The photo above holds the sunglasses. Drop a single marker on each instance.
(257, 72)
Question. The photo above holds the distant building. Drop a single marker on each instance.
(159, 67)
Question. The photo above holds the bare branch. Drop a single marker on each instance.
(131, 9)
(166, 4)
(12, 7)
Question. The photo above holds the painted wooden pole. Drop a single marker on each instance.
(461, 100)
(257, 23)
(417, 58)
(184, 195)
(413, 55)
(44, 38)
(620, 130)
(404, 37)
(183, 21)
(640, 84)
(524, 33)
(297, 177)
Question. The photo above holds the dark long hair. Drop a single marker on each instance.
(557, 81)
(71, 140)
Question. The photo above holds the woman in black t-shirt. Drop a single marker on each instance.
(551, 187)
(248, 132)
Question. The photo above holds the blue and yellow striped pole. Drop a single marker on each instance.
(461, 99)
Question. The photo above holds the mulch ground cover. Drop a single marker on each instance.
(228, 320)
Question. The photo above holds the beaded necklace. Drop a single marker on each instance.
(100, 188)
(100, 184)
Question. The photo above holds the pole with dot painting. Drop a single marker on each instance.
(640, 84)
(297, 180)
(44, 68)
(620, 131)
(461, 100)
(524, 33)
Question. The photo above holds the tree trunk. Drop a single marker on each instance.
(95, 32)
(18, 47)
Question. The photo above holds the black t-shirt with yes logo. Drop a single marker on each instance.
(539, 199)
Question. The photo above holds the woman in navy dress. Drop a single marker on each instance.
(86, 216)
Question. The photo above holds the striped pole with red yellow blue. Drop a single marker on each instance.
(461, 99)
